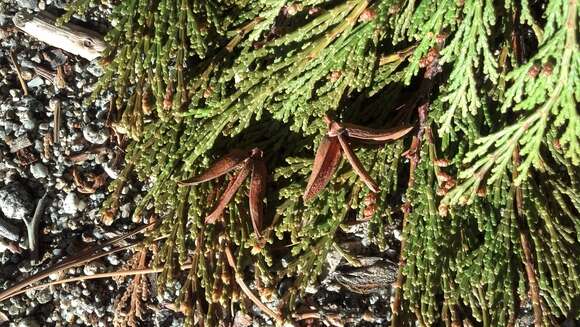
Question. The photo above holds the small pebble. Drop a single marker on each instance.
(397, 234)
(95, 135)
(95, 68)
(44, 296)
(25, 267)
(92, 268)
(15, 201)
(113, 260)
(311, 289)
(53, 104)
(14, 93)
(27, 119)
(27, 4)
(27, 75)
(87, 237)
(72, 204)
(125, 210)
(38, 170)
(53, 276)
(35, 82)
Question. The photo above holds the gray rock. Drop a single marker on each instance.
(57, 58)
(25, 267)
(71, 203)
(113, 260)
(44, 127)
(35, 82)
(525, 315)
(374, 275)
(15, 201)
(60, 4)
(333, 259)
(38, 170)
(13, 310)
(28, 4)
(10, 127)
(44, 296)
(29, 104)
(95, 135)
(26, 109)
(4, 19)
(36, 57)
(39, 146)
(92, 268)
(125, 210)
(95, 68)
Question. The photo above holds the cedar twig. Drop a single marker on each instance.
(57, 123)
(327, 319)
(419, 316)
(518, 49)
(414, 156)
(396, 303)
(16, 67)
(240, 281)
(432, 68)
(135, 294)
(526, 246)
(241, 33)
(72, 262)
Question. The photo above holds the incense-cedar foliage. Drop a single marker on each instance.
(485, 187)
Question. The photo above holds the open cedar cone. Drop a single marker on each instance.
(337, 141)
(246, 163)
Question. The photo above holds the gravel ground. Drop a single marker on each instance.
(71, 166)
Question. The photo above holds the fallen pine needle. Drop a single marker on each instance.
(85, 256)
(96, 276)
(16, 67)
(134, 272)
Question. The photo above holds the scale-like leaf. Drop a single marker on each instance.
(325, 163)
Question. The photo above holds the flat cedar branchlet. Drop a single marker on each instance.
(484, 184)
